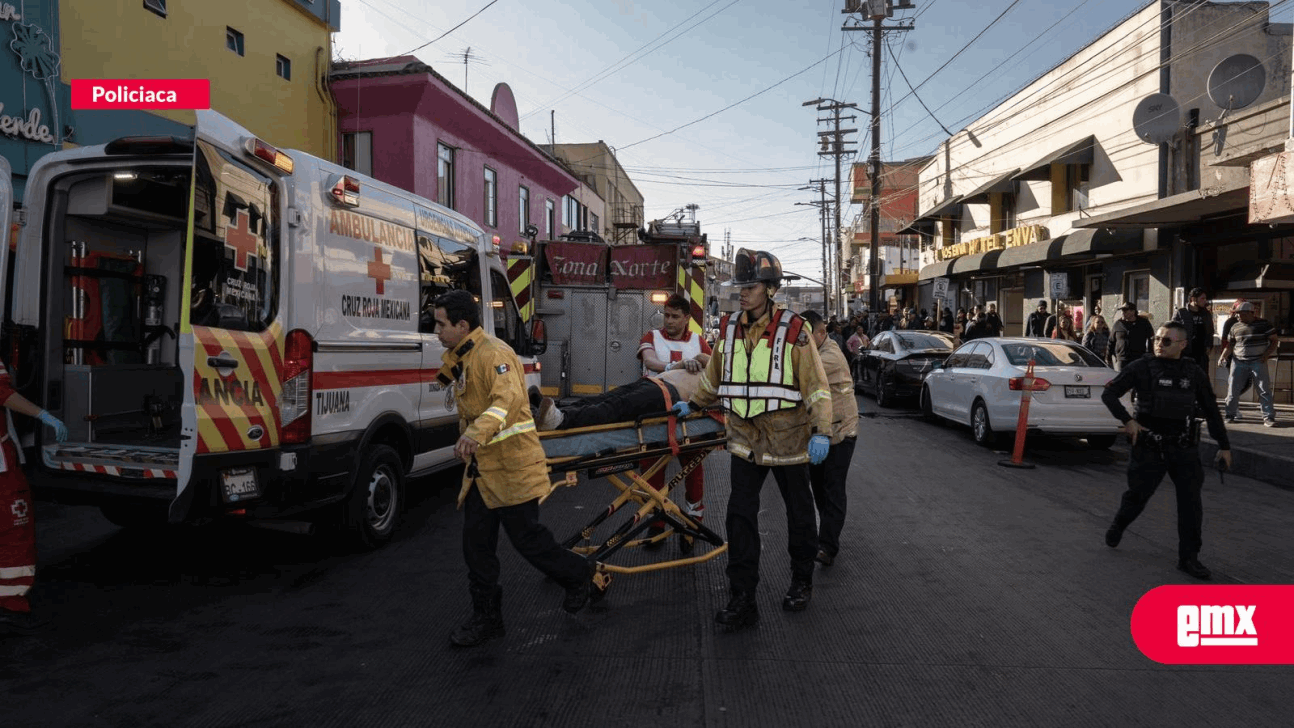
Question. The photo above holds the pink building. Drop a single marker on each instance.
(406, 125)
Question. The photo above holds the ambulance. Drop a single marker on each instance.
(229, 329)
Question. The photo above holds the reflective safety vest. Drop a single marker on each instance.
(761, 380)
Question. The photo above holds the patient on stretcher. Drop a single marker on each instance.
(647, 396)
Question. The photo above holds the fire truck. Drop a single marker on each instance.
(596, 300)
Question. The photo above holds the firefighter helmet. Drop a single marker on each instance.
(756, 266)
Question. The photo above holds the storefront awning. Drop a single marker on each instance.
(936, 270)
(1175, 211)
(1081, 243)
(1003, 183)
(1247, 276)
(941, 210)
(1079, 152)
(975, 262)
(918, 227)
(1032, 254)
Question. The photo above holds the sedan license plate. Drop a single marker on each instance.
(239, 484)
(1078, 391)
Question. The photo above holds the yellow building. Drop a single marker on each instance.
(266, 59)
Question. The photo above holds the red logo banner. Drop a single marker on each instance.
(133, 93)
(579, 264)
(1216, 625)
(644, 266)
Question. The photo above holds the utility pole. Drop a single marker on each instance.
(877, 11)
(833, 144)
(822, 218)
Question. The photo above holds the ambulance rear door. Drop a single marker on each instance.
(6, 217)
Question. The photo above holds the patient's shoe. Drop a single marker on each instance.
(550, 415)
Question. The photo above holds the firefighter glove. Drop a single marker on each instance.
(818, 447)
(682, 409)
(60, 429)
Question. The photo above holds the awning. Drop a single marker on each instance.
(1176, 211)
(975, 262)
(1261, 275)
(1090, 242)
(1003, 183)
(1032, 254)
(918, 227)
(936, 270)
(940, 210)
(1077, 153)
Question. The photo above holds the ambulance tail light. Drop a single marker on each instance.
(261, 150)
(294, 403)
(345, 191)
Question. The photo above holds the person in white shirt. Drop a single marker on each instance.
(673, 346)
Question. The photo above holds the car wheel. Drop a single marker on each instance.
(1101, 442)
(981, 428)
(375, 499)
(884, 393)
(928, 407)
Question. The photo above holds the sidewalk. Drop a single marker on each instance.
(1261, 453)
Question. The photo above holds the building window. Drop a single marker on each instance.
(283, 67)
(1069, 188)
(157, 6)
(593, 222)
(523, 202)
(234, 40)
(573, 213)
(357, 151)
(550, 218)
(491, 198)
(445, 175)
(1138, 290)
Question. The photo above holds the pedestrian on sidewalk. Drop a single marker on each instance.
(1169, 389)
(17, 515)
(994, 320)
(1198, 320)
(1130, 338)
(828, 477)
(1036, 324)
(507, 471)
(774, 391)
(1250, 343)
(1097, 337)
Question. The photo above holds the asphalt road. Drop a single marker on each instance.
(965, 594)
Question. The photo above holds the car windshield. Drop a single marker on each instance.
(1050, 354)
(925, 341)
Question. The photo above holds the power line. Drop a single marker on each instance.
(451, 30)
(959, 52)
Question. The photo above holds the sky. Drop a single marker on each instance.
(733, 75)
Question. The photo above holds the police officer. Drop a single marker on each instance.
(770, 379)
(828, 477)
(506, 470)
(1168, 388)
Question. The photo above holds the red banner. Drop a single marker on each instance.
(1222, 624)
(164, 93)
(644, 266)
(579, 264)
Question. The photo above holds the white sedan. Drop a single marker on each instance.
(980, 384)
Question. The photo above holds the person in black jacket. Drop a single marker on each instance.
(994, 320)
(1169, 387)
(1198, 320)
(1130, 338)
(1037, 324)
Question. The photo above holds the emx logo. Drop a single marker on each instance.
(1216, 625)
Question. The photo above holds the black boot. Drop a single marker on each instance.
(740, 612)
(486, 621)
(579, 594)
(1114, 535)
(798, 596)
(1192, 566)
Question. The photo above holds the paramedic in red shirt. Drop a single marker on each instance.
(17, 520)
(672, 347)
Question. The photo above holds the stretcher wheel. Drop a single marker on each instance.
(686, 544)
(601, 583)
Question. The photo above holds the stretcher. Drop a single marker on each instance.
(628, 454)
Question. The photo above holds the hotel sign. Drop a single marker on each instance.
(998, 241)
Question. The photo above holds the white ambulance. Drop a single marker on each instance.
(230, 329)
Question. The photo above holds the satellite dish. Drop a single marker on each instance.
(1157, 118)
(1237, 82)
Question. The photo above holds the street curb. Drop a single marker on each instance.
(1257, 464)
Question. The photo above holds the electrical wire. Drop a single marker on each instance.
(451, 30)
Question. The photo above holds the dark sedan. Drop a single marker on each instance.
(897, 362)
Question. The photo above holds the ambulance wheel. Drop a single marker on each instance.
(375, 500)
(135, 516)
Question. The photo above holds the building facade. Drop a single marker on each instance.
(267, 62)
(596, 166)
(1013, 204)
(35, 102)
(405, 124)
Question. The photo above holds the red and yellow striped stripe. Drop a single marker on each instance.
(223, 423)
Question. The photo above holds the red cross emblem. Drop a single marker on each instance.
(379, 271)
(241, 239)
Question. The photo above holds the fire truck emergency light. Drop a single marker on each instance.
(261, 150)
(659, 297)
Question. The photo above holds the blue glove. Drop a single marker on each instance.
(682, 409)
(60, 429)
(818, 447)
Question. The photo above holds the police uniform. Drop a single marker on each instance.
(828, 477)
(1167, 394)
(770, 379)
(507, 475)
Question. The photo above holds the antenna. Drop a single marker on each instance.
(1237, 81)
(467, 57)
(1157, 118)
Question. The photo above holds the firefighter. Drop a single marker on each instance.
(668, 349)
(1168, 389)
(17, 520)
(828, 478)
(506, 470)
(768, 375)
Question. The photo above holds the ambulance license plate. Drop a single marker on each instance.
(239, 484)
(1078, 391)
